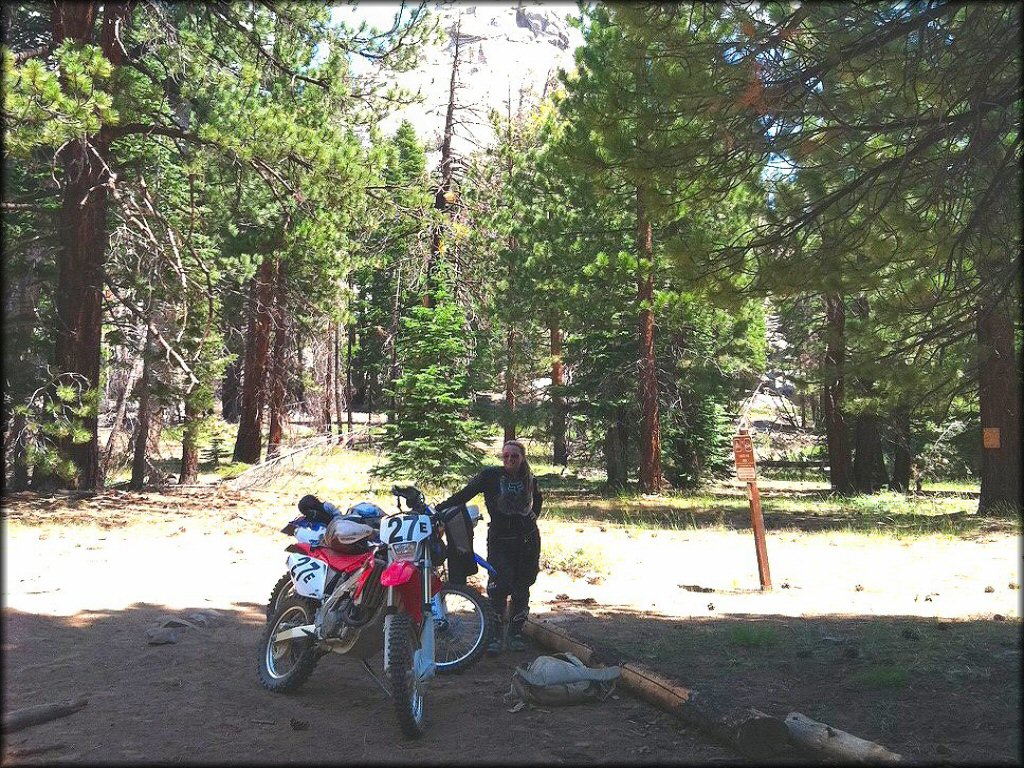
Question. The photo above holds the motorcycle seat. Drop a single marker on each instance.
(337, 560)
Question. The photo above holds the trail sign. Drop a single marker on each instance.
(990, 437)
(743, 450)
(746, 470)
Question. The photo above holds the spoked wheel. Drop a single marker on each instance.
(463, 622)
(401, 641)
(286, 663)
(283, 589)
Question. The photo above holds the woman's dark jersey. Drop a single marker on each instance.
(500, 493)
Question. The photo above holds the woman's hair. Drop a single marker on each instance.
(524, 466)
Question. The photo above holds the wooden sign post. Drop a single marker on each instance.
(746, 470)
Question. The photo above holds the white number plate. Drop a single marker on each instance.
(308, 575)
(405, 528)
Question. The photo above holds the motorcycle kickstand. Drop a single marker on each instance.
(377, 680)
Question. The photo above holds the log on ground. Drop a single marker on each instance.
(750, 731)
(825, 741)
(42, 713)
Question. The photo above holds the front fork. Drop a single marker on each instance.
(423, 657)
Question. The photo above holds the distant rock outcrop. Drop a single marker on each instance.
(508, 52)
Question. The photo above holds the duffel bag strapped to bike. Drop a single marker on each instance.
(560, 680)
(347, 536)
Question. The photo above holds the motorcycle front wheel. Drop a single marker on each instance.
(463, 623)
(285, 665)
(401, 641)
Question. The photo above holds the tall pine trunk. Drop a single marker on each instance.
(999, 391)
(83, 236)
(338, 399)
(558, 445)
(328, 379)
(231, 390)
(143, 427)
(190, 444)
(279, 364)
(902, 458)
(869, 473)
(348, 376)
(442, 195)
(248, 442)
(650, 428)
(616, 453)
(832, 394)
(119, 414)
(509, 417)
(19, 460)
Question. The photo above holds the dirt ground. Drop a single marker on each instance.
(913, 643)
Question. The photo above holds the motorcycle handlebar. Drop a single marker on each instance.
(413, 496)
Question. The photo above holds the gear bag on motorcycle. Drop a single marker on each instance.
(347, 536)
(560, 680)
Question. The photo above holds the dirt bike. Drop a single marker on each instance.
(388, 596)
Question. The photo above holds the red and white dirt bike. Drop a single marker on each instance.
(388, 596)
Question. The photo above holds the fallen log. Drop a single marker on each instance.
(750, 731)
(42, 713)
(27, 751)
(824, 740)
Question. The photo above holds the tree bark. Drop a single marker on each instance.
(616, 450)
(650, 428)
(248, 442)
(230, 389)
(869, 470)
(83, 236)
(902, 458)
(190, 445)
(558, 416)
(279, 363)
(509, 417)
(443, 194)
(122, 407)
(348, 376)
(338, 400)
(328, 379)
(395, 325)
(999, 391)
(144, 419)
(614, 464)
(832, 393)
(19, 464)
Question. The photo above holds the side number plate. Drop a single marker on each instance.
(308, 575)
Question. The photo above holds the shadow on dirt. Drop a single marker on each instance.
(930, 689)
(198, 700)
(933, 690)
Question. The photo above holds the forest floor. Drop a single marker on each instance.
(909, 636)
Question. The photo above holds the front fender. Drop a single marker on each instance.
(398, 573)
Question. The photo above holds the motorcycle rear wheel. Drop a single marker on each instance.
(286, 665)
(461, 637)
(407, 693)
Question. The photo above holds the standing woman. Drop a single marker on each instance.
(513, 504)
